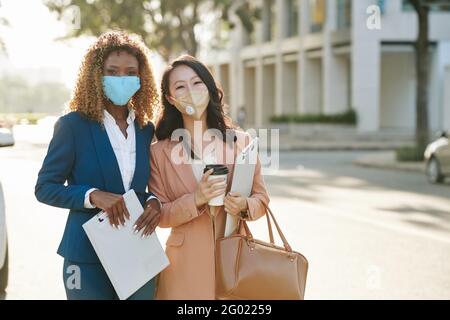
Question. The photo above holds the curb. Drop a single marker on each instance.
(387, 161)
(327, 146)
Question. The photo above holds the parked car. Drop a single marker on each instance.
(437, 157)
(6, 137)
(3, 245)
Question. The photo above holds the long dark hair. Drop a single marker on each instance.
(171, 119)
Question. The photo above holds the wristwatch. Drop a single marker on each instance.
(244, 214)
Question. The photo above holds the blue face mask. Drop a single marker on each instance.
(120, 89)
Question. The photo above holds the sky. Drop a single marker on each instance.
(31, 43)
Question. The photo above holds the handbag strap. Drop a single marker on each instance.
(280, 233)
(269, 225)
(283, 238)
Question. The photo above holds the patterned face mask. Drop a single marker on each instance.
(193, 103)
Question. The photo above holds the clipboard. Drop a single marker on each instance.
(243, 175)
(129, 261)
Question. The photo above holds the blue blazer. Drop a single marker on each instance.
(81, 154)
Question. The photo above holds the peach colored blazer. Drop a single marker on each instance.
(191, 243)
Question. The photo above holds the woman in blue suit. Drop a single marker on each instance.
(99, 151)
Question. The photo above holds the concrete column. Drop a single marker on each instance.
(259, 31)
(446, 100)
(441, 91)
(335, 80)
(290, 86)
(217, 72)
(366, 56)
(281, 19)
(236, 84)
(301, 69)
(282, 28)
(329, 70)
(300, 16)
(304, 17)
(300, 82)
(331, 16)
(237, 41)
(434, 106)
(312, 85)
(266, 30)
(335, 83)
(248, 95)
(259, 92)
(279, 75)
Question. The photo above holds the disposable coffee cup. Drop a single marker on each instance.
(220, 172)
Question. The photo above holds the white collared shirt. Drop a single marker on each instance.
(124, 149)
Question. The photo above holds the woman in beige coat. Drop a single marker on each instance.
(191, 99)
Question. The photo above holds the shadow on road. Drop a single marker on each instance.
(438, 217)
(316, 178)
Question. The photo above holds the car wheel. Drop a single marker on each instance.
(4, 273)
(434, 172)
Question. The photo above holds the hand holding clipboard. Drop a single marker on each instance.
(244, 171)
(129, 260)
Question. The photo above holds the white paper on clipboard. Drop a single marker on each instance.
(129, 260)
(244, 172)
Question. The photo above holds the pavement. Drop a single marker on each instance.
(322, 137)
(367, 232)
(321, 142)
(383, 155)
(40, 135)
(338, 145)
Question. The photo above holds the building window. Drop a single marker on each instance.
(268, 20)
(382, 5)
(248, 14)
(344, 12)
(317, 15)
(273, 16)
(293, 18)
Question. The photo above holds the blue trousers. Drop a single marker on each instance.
(89, 281)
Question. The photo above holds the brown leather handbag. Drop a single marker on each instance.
(250, 269)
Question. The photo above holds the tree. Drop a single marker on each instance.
(168, 26)
(422, 49)
(17, 95)
(3, 22)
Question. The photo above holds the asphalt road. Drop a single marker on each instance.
(367, 233)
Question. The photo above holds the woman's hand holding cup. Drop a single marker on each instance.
(209, 188)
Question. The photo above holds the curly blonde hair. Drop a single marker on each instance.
(88, 97)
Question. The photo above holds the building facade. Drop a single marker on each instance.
(327, 56)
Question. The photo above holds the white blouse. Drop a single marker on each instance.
(124, 149)
(198, 165)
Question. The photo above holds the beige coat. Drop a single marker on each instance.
(190, 246)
